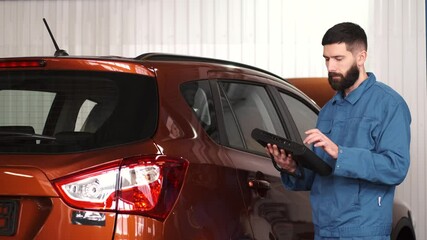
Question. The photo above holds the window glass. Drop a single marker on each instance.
(67, 111)
(304, 117)
(198, 96)
(251, 107)
(84, 112)
(25, 108)
(233, 134)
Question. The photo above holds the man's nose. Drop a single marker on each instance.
(331, 66)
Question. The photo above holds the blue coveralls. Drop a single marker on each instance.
(371, 127)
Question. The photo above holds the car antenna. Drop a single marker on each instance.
(58, 52)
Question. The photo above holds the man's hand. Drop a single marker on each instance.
(282, 159)
(316, 137)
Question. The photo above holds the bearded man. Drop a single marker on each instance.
(363, 133)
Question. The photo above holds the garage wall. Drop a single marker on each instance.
(282, 36)
(399, 50)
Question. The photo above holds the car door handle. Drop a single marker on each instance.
(261, 187)
(259, 184)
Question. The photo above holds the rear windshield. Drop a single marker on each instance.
(69, 111)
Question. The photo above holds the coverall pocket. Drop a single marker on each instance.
(325, 126)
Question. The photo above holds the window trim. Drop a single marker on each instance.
(295, 136)
(312, 107)
(285, 118)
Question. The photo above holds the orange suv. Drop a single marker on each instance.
(153, 147)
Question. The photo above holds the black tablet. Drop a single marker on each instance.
(300, 152)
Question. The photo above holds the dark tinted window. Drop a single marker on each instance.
(244, 108)
(304, 117)
(62, 111)
(198, 96)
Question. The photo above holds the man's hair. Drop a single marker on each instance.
(349, 33)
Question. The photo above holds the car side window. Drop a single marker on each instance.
(304, 117)
(198, 96)
(245, 107)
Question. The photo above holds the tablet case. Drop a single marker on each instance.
(300, 152)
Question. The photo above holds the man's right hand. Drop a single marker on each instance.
(282, 159)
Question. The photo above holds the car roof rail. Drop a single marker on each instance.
(176, 57)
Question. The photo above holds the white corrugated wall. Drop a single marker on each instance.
(398, 49)
(282, 36)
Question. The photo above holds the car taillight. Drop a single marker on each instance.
(22, 63)
(146, 185)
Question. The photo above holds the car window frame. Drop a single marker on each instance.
(210, 101)
(301, 98)
(284, 115)
(310, 107)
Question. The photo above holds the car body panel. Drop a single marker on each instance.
(273, 211)
(63, 223)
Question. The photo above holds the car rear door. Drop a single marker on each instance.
(273, 211)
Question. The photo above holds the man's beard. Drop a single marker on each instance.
(344, 82)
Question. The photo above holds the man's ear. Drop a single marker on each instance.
(361, 58)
